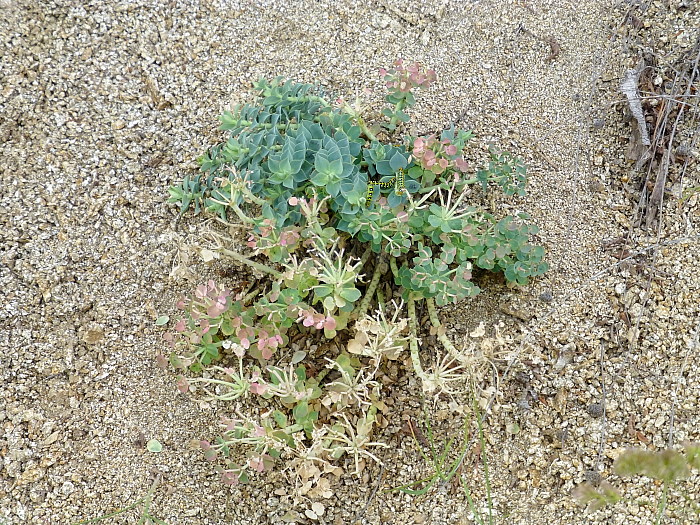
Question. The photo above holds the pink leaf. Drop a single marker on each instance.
(257, 388)
(256, 464)
(229, 478)
(461, 164)
(231, 424)
(214, 310)
(182, 384)
(161, 361)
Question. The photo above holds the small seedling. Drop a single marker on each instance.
(142, 504)
(443, 461)
(446, 464)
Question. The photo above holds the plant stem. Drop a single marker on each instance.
(662, 503)
(239, 213)
(115, 513)
(394, 267)
(281, 127)
(145, 515)
(435, 321)
(365, 130)
(365, 256)
(413, 343)
(399, 107)
(379, 270)
(146, 500)
(487, 479)
(257, 200)
(258, 266)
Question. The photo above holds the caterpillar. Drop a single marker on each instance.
(370, 188)
(400, 183)
(386, 184)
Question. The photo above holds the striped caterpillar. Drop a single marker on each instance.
(398, 183)
(370, 188)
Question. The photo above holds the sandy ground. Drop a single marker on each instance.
(103, 105)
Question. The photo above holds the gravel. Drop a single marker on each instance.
(103, 105)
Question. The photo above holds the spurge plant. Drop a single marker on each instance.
(351, 225)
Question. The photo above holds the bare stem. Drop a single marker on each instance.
(365, 129)
(435, 321)
(379, 270)
(413, 341)
(258, 266)
(399, 107)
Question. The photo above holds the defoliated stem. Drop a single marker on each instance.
(394, 267)
(257, 200)
(250, 296)
(413, 342)
(379, 270)
(432, 312)
(242, 216)
(365, 129)
(380, 300)
(399, 107)
(258, 266)
(365, 257)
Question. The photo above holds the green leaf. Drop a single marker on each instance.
(321, 164)
(402, 116)
(350, 294)
(301, 410)
(280, 418)
(384, 168)
(398, 161)
(163, 319)
(322, 290)
(154, 446)
(298, 357)
(329, 303)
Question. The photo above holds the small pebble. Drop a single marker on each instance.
(593, 477)
(546, 296)
(595, 409)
